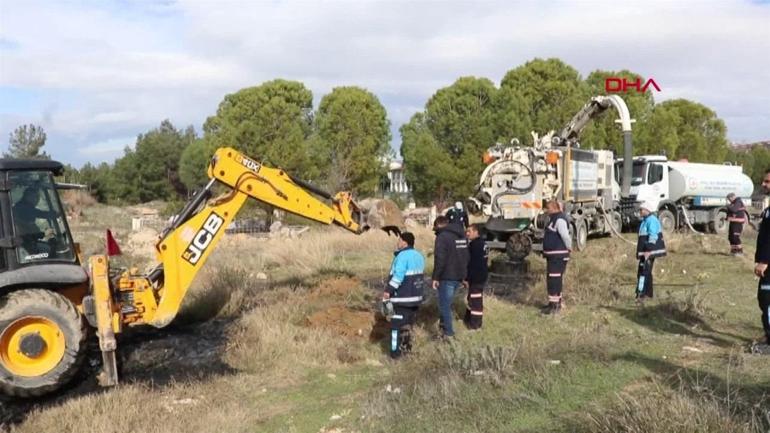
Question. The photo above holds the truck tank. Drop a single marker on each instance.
(707, 182)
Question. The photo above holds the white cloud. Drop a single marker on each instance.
(111, 147)
(110, 70)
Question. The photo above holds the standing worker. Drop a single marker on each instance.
(450, 267)
(649, 246)
(736, 217)
(404, 293)
(458, 215)
(557, 245)
(477, 277)
(762, 258)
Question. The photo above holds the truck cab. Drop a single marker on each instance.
(649, 183)
(650, 180)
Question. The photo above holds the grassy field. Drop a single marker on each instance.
(302, 349)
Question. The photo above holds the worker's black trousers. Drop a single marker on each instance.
(555, 268)
(734, 236)
(474, 311)
(644, 277)
(401, 330)
(763, 296)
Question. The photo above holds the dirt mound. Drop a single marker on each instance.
(336, 288)
(340, 315)
(381, 213)
(75, 201)
(343, 321)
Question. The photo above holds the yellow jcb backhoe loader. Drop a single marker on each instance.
(48, 300)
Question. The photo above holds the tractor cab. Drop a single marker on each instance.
(33, 226)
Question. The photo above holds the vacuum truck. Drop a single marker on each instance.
(518, 180)
(682, 192)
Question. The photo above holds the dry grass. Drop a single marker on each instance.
(216, 406)
(683, 409)
(275, 339)
(287, 327)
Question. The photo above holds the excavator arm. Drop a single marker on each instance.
(183, 249)
(154, 299)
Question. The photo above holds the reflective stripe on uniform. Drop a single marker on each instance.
(556, 298)
(393, 283)
(398, 316)
(651, 252)
(764, 287)
(409, 299)
(554, 275)
(393, 339)
(477, 313)
(556, 252)
(476, 295)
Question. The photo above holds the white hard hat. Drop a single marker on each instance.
(647, 205)
(459, 204)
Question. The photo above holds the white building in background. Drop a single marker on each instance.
(396, 179)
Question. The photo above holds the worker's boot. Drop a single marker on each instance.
(552, 308)
(406, 341)
(760, 349)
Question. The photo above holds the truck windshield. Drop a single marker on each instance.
(638, 171)
(38, 218)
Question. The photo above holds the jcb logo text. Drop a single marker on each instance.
(203, 238)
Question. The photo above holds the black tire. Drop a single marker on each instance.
(616, 222)
(518, 246)
(719, 224)
(667, 221)
(580, 235)
(59, 310)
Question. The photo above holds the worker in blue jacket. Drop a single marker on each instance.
(404, 292)
(649, 246)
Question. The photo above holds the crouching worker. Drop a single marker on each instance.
(649, 246)
(403, 294)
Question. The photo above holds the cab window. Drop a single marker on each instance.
(38, 219)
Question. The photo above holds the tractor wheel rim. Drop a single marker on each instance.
(45, 338)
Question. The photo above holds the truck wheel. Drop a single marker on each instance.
(617, 223)
(42, 342)
(580, 235)
(667, 221)
(518, 246)
(719, 224)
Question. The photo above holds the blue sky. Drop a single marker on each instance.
(95, 74)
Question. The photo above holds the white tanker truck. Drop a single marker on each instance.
(683, 192)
